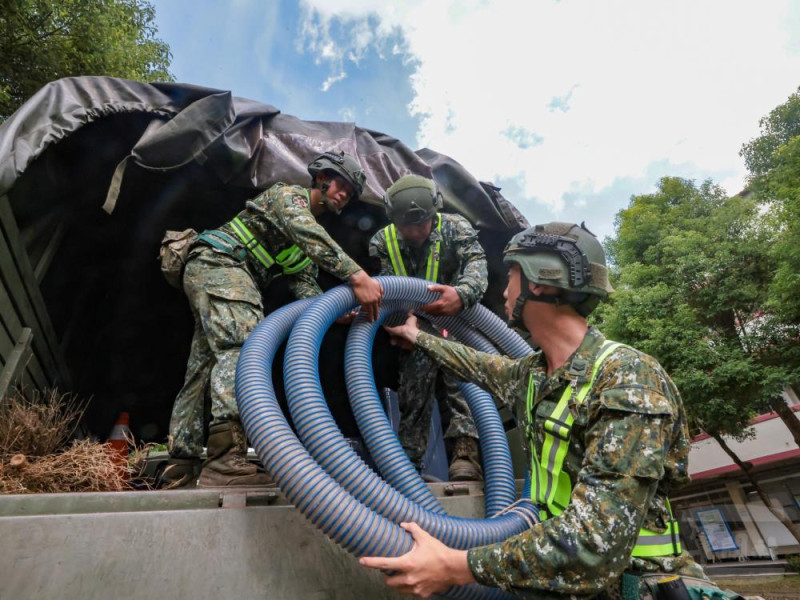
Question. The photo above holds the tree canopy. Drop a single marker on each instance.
(692, 269)
(773, 159)
(44, 40)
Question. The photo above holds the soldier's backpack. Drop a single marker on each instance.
(173, 253)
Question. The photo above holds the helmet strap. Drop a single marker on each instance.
(577, 300)
(323, 187)
(548, 299)
(524, 295)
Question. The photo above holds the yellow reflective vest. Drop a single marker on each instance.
(290, 259)
(399, 268)
(551, 487)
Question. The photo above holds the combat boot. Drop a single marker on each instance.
(178, 473)
(227, 462)
(465, 464)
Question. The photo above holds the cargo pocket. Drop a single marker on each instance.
(630, 432)
(230, 309)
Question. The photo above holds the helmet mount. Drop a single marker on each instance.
(562, 255)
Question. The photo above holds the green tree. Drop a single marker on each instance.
(773, 159)
(44, 40)
(692, 270)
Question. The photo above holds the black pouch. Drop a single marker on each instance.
(668, 586)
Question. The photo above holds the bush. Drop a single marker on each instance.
(793, 563)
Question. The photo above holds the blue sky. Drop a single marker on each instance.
(570, 106)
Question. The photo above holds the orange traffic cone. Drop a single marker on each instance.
(118, 441)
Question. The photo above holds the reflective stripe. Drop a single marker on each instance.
(655, 543)
(557, 487)
(432, 270)
(291, 259)
(251, 243)
(394, 251)
(536, 475)
(551, 487)
(399, 268)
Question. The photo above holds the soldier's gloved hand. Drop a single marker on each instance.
(448, 303)
(368, 292)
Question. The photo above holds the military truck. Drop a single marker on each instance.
(93, 171)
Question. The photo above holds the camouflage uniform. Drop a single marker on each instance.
(225, 287)
(462, 264)
(628, 450)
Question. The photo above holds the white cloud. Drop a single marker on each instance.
(572, 96)
(326, 85)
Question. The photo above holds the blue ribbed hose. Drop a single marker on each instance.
(336, 512)
(342, 518)
(497, 330)
(377, 432)
(323, 440)
(351, 524)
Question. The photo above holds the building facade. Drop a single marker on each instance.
(721, 515)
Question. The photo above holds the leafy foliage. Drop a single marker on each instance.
(773, 159)
(777, 129)
(692, 269)
(44, 40)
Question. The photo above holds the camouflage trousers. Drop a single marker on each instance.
(416, 393)
(226, 305)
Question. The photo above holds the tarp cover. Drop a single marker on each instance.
(97, 168)
(242, 142)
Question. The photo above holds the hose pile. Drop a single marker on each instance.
(323, 476)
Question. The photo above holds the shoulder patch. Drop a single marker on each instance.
(295, 196)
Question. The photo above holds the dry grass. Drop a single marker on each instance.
(38, 425)
(36, 455)
(771, 588)
(84, 466)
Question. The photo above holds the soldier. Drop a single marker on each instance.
(608, 433)
(421, 242)
(227, 271)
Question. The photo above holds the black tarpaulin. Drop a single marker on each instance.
(97, 168)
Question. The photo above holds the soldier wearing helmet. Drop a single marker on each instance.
(573, 264)
(422, 242)
(228, 271)
(605, 437)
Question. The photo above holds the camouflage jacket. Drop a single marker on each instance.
(628, 449)
(462, 262)
(279, 218)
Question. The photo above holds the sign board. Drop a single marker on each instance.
(716, 529)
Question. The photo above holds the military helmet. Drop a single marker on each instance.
(563, 255)
(341, 164)
(412, 200)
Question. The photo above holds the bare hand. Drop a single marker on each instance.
(448, 303)
(428, 568)
(368, 292)
(347, 318)
(404, 335)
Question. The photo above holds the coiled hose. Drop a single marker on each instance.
(379, 436)
(322, 476)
